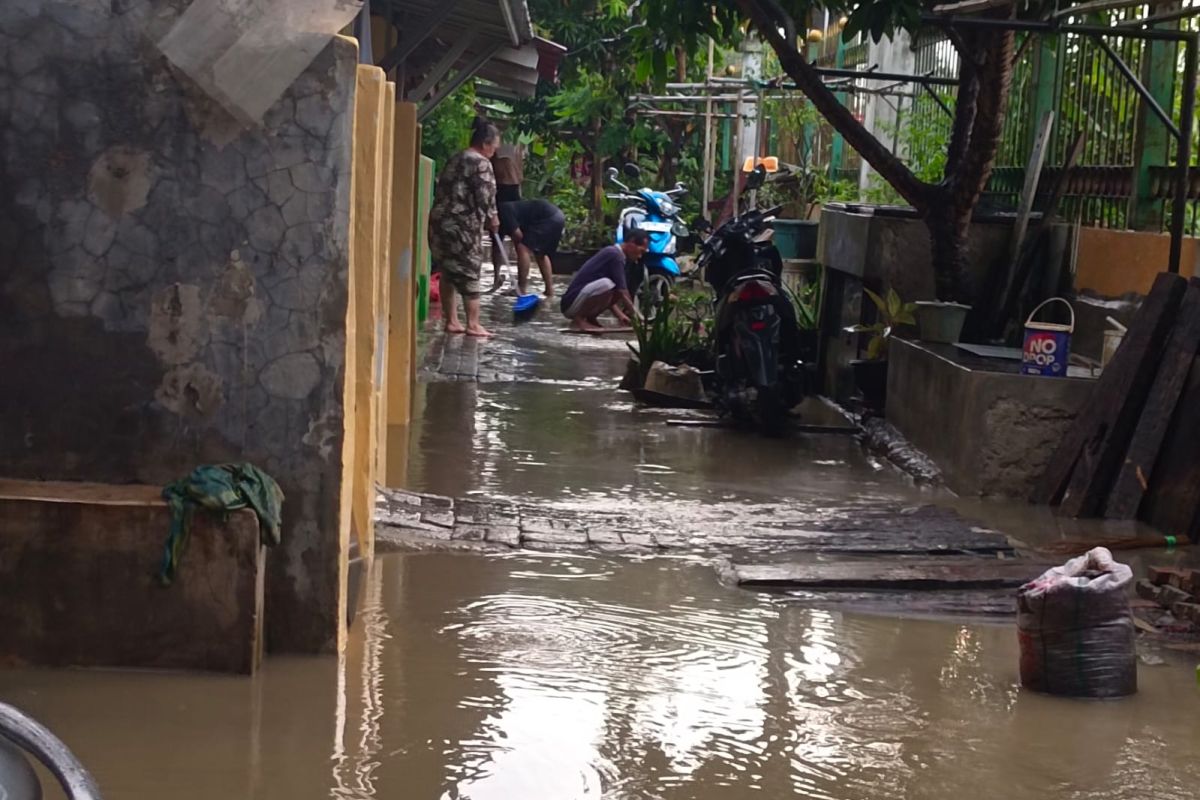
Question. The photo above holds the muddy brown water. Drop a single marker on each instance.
(555, 676)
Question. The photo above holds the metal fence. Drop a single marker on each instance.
(1122, 179)
(842, 162)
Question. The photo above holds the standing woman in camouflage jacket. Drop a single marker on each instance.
(464, 208)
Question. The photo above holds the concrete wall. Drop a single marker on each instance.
(1115, 263)
(990, 433)
(173, 285)
(881, 252)
(79, 563)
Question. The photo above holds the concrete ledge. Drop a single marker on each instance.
(79, 582)
(990, 432)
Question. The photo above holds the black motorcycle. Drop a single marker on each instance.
(759, 373)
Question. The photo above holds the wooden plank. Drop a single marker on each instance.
(1033, 175)
(383, 283)
(1021, 287)
(937, 574)
(1134, 478)
(1088, 449)
(843, 430)
(1172, 503)
(402, 302)
(368, 222)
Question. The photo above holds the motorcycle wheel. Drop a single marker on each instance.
(770, 411)
(653, 293)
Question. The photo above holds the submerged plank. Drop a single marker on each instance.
(924, 575)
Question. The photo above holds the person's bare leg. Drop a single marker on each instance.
(547, 275)
(593, 307)
(523, 258)
(474, 327)
(450, 308)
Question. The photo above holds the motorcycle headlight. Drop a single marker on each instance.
(667, 207)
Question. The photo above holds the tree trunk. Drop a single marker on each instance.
(597, 187)
(948, 227)
(972, 155)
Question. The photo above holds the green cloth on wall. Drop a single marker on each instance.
(220, 488)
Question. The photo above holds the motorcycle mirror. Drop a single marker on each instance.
(757, 178)
(679, 187)
(632, 171)
(612, 174)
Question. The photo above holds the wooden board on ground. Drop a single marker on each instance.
(845, 430)
(660, 400)
(604, 332)
(934, 574)
(1134, 478)
(974, 603)
(1172, 503)
(1082, 469)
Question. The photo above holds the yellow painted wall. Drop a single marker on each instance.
(346, 493)
(383, 286)
(1113, 263)
(402, 323)
(370, 247)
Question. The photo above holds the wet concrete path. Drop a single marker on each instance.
(562, 675)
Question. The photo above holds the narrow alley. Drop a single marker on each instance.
(564, 671)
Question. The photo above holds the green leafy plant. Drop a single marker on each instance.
(448, 129)
(891, 312)
(807, 302)
(681, 325)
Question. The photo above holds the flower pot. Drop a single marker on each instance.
(568, 262)
(796, 238)
(940, 323)
(871, 379)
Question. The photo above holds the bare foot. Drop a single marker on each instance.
(478, 330)
(586, 326)
(455, 327)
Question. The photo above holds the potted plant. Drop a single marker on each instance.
(940, 322)
(805, 292)
(870, 374)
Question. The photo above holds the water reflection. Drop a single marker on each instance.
(555, 678)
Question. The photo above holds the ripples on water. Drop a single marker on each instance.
(573, 677)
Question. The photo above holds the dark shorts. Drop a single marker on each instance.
(462, 276)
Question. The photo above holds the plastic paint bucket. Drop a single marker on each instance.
(1047, 344)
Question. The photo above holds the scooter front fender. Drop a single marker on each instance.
(662, 263)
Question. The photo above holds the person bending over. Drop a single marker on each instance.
(536, 227)
(600, 286)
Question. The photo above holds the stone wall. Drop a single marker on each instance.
(172, 282)
(991, 433)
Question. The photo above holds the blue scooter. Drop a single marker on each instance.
(657, 213)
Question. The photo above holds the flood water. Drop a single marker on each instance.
(543, 676)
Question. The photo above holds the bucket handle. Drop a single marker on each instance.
(1044, 303)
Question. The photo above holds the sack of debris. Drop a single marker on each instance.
(1076, 630)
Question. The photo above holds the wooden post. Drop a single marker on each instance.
(402, 305)
(383, 283)
(1133, 481)
(1152, 141)
(1083, 468)
(368, 228)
